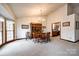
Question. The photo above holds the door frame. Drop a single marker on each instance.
(52, 27)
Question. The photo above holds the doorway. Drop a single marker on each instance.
(56, 29)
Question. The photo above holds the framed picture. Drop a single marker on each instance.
(77, 25)
(25, 26)
(66, 24)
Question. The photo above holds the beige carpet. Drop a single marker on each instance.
(29, 48)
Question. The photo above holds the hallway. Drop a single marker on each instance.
(29, 48)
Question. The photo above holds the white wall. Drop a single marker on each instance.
(26, 21)
(70, 9)
(56, 16)
(68, 32)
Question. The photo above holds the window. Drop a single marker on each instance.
(0, 33)
(1, 29)
(6, 30)
(9, 30)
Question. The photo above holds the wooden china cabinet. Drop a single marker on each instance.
(36, 30)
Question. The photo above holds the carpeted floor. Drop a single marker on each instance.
(56, 47)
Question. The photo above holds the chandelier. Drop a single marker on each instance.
(42, 19)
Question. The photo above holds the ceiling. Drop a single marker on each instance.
(34, 9)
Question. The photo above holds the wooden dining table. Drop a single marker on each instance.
(42, 36)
